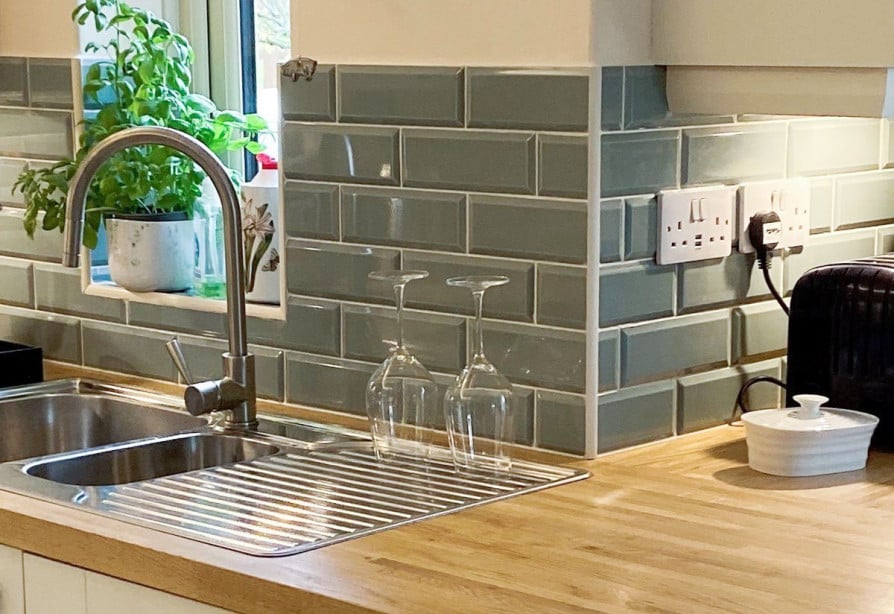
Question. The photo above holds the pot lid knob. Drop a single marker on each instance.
(810, 405)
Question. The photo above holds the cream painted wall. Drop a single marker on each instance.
(38, 28)
(551, 33)
(774, 33)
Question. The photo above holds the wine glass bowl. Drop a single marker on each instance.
(401, 395)
(479, 405)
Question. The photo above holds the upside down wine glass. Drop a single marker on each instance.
(401, 396)
(479, 405)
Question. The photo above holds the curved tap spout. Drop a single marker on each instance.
(238, 363)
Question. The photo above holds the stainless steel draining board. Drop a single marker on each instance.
(291, 503)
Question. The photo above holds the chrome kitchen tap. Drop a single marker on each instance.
(236, 390)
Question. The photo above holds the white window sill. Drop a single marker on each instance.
(182, 300)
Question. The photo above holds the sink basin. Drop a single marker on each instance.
(289, 487)
(149, 460)
(55, 423)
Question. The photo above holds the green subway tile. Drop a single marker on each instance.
(610, 230)
(439, 342)
(312, 100)
(563, 165)
(353, 154)
(15, 279)
(757, 330)
(470, 160)
(35, 134)
(46, 244)
(639, 163)
(659, 349)
(317, 381)
(635, 291)
(714, 282)
(58, 336)
(9, 172)
(524, 414)
(204, 359)
(609, 340)
(528, 228)
(640, 228)
(310, 326)
(645, 96)
(50, 83)
(562, 422)
(733, 153)
(408, 218)
(206, 323)
(127, 349)
(13, 82)
(826, 249)
(58, 288)
(537, 356)
(513, 301)
(522, 98)
(822, 202)
(635, 415)
(562, 295)
(311, 210)
(864, 199)
(612, 97)
(338, 271)
(426, 96)
(707, 399)
(645, 101)
(885, 243)
(837, 145)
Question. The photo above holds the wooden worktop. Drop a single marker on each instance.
(679, 526)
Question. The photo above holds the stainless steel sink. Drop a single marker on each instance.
(147, 460)
(55, 423)
(289, 487)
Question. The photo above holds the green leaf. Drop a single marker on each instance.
(255, 148)
(231, 117)
(200, 103)
(255, 122)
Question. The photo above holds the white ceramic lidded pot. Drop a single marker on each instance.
(806, 440)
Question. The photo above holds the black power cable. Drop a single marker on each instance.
(764, 230)
(740, 398)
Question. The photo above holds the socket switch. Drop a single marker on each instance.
(695, 224)
(789, 198)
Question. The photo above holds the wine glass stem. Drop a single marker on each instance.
(478, 297)
(399, 301)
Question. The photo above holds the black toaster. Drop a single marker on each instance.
(841, 339)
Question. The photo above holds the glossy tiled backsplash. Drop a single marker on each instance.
(453, 170)
(676, 342)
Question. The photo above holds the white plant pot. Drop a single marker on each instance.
(151, 256)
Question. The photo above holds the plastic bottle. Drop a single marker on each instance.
(210, 272)
(261, 234)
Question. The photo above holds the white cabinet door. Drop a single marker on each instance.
(107, 595)
(12, 581)
(53, 588)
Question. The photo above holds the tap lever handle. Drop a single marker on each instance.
(176, 352)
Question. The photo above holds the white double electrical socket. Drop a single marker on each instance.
(695, 224)
(790, 199)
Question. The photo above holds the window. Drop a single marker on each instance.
(265, 44)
